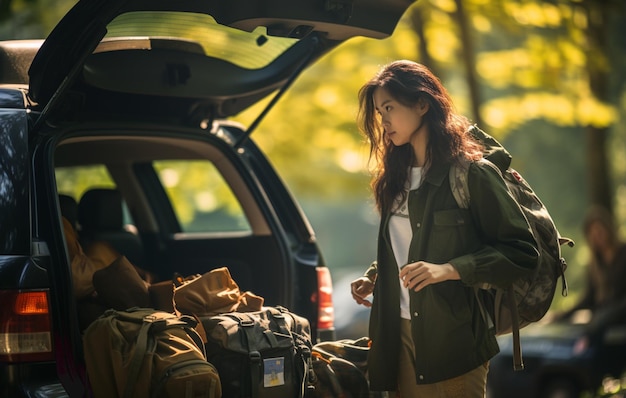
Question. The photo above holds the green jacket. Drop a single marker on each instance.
(490, 241)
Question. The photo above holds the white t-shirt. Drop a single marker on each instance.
(400, 233)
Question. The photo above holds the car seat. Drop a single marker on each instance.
(69, 208)
(100, 217)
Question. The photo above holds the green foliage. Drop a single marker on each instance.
(200, 196)
(533, 62)
(75, 181)
(535, 89)
(30, 19)
(311, 135)
(612, 387)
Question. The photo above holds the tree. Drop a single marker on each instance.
(534, 60)
(469, 60)
(30, 19)
(598, 67)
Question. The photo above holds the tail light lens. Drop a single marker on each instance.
(25, 326)
(326, 311)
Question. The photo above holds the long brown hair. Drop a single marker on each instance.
(409, 83)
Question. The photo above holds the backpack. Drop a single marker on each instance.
(142, 352)
(529, 298)
(260, 354)
(340, 369)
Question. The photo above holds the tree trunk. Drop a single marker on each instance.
(599, 175)
(469, 60)
(417, 21)
(468, 57)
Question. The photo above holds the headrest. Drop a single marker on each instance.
(101, 209)
(69, 208)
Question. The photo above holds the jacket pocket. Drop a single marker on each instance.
(452, 235)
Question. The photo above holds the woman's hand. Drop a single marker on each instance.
(420, 274)
(361, 289)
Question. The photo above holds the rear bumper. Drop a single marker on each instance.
(30, 380)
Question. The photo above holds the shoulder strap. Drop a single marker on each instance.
(154, 320)
(460, 191)
(458, 183)
(303, 364)
(518, 362)
(141, 346)
(459, 171)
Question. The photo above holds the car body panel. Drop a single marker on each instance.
(14, 178)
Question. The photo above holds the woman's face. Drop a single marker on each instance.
(400, 122)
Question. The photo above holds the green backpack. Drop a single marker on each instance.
(142, 352)
(528, 299)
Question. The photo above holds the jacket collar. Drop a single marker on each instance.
(435, 176)
(436, 173)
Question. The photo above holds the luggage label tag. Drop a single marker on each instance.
(273, 372)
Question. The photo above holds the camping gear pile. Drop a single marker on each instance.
(204, 337)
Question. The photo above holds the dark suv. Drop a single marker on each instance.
(119, 122)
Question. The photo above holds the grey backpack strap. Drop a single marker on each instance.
(460, 190)
(458, 183)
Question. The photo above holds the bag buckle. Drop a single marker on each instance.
(254, 356)
(305, 351)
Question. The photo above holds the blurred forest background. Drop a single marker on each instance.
(546, 77)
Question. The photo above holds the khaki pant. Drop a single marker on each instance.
(469, 385)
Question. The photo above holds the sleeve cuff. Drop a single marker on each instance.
(465, 266)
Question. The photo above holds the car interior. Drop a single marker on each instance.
(134, 213)
(100, 216)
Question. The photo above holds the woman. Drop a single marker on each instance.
(429, 338)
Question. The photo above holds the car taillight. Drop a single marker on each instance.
(326, 311)
(25, 327)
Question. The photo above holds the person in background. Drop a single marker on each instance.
(428, 336)
(605, 289)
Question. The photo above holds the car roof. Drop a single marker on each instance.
(219, 55)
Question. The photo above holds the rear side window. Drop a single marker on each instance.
(75, 181)
(200, 197)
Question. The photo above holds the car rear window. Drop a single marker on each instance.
(250, 50)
